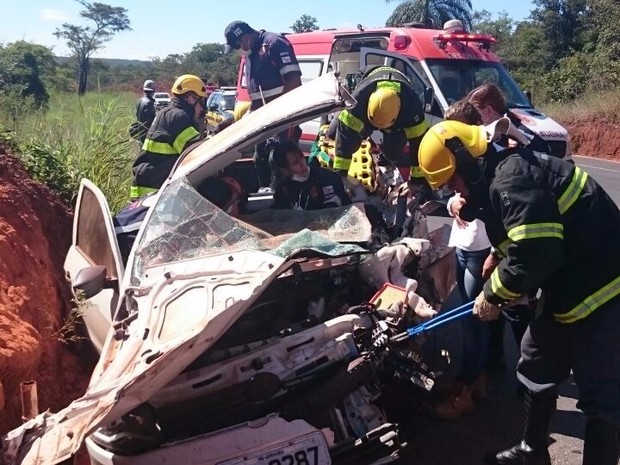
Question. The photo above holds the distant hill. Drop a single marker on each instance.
(110, 61)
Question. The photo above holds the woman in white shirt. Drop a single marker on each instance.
(472, 248)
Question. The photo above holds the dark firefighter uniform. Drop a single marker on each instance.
(269, 61)
(145, 113)
(558, 230)
(354, 125)
(172, 131)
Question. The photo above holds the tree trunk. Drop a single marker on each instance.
(83, 75)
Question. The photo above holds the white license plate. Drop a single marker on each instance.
(307, 450)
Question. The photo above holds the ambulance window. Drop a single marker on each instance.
(310, 69)
(457, 77)
(484, 75)
(405, 67)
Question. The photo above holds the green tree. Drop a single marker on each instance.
(563, 23)
(605, 65)
(24, 70)
(568, 80)
(223, 71)
(500, 28)
(169, 68)
(83, 41)
(431, 13)
(201, 56)
(305, 23)
(526, 55)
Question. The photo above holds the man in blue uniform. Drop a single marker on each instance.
(271, 69)
(556, 230)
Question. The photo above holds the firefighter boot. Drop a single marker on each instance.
(456, 404)
(601, 444)
(532, 450)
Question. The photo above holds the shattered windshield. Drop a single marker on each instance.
(184, 225)
(457, 77)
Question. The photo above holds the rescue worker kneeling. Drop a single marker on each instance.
(557, 230)
(303, 187)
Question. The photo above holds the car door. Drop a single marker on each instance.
(414, 70)
(94, 244)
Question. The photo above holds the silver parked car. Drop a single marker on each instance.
(161, 99)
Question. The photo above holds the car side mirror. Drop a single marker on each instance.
(528, 94)
(90, 281)
(429, 95)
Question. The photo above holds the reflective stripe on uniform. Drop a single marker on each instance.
(416, 131)
(573, 191)
(289, 69)
(341, 163)
(499, 289)
(591, 303)
(416, 172)
(267, 93)
(503, 247)
(351, 121)
(381, 69)
(392, 85)
(182, 139)
(160, 148)
(536, 231)
(136, 191)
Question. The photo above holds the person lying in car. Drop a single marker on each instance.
(302, 187)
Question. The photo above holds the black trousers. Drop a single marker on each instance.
(589, 347)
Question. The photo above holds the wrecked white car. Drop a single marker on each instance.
(241, 341)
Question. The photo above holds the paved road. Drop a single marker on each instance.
(606, 173)
(497, 421)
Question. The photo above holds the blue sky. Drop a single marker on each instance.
(157, 31)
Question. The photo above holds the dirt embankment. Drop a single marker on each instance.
(594, 138)
(35, 234)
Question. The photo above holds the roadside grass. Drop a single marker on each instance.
(592, 105)
(79, 137)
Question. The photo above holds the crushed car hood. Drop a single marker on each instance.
(193, 303)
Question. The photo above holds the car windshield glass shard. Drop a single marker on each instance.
(185, 225)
